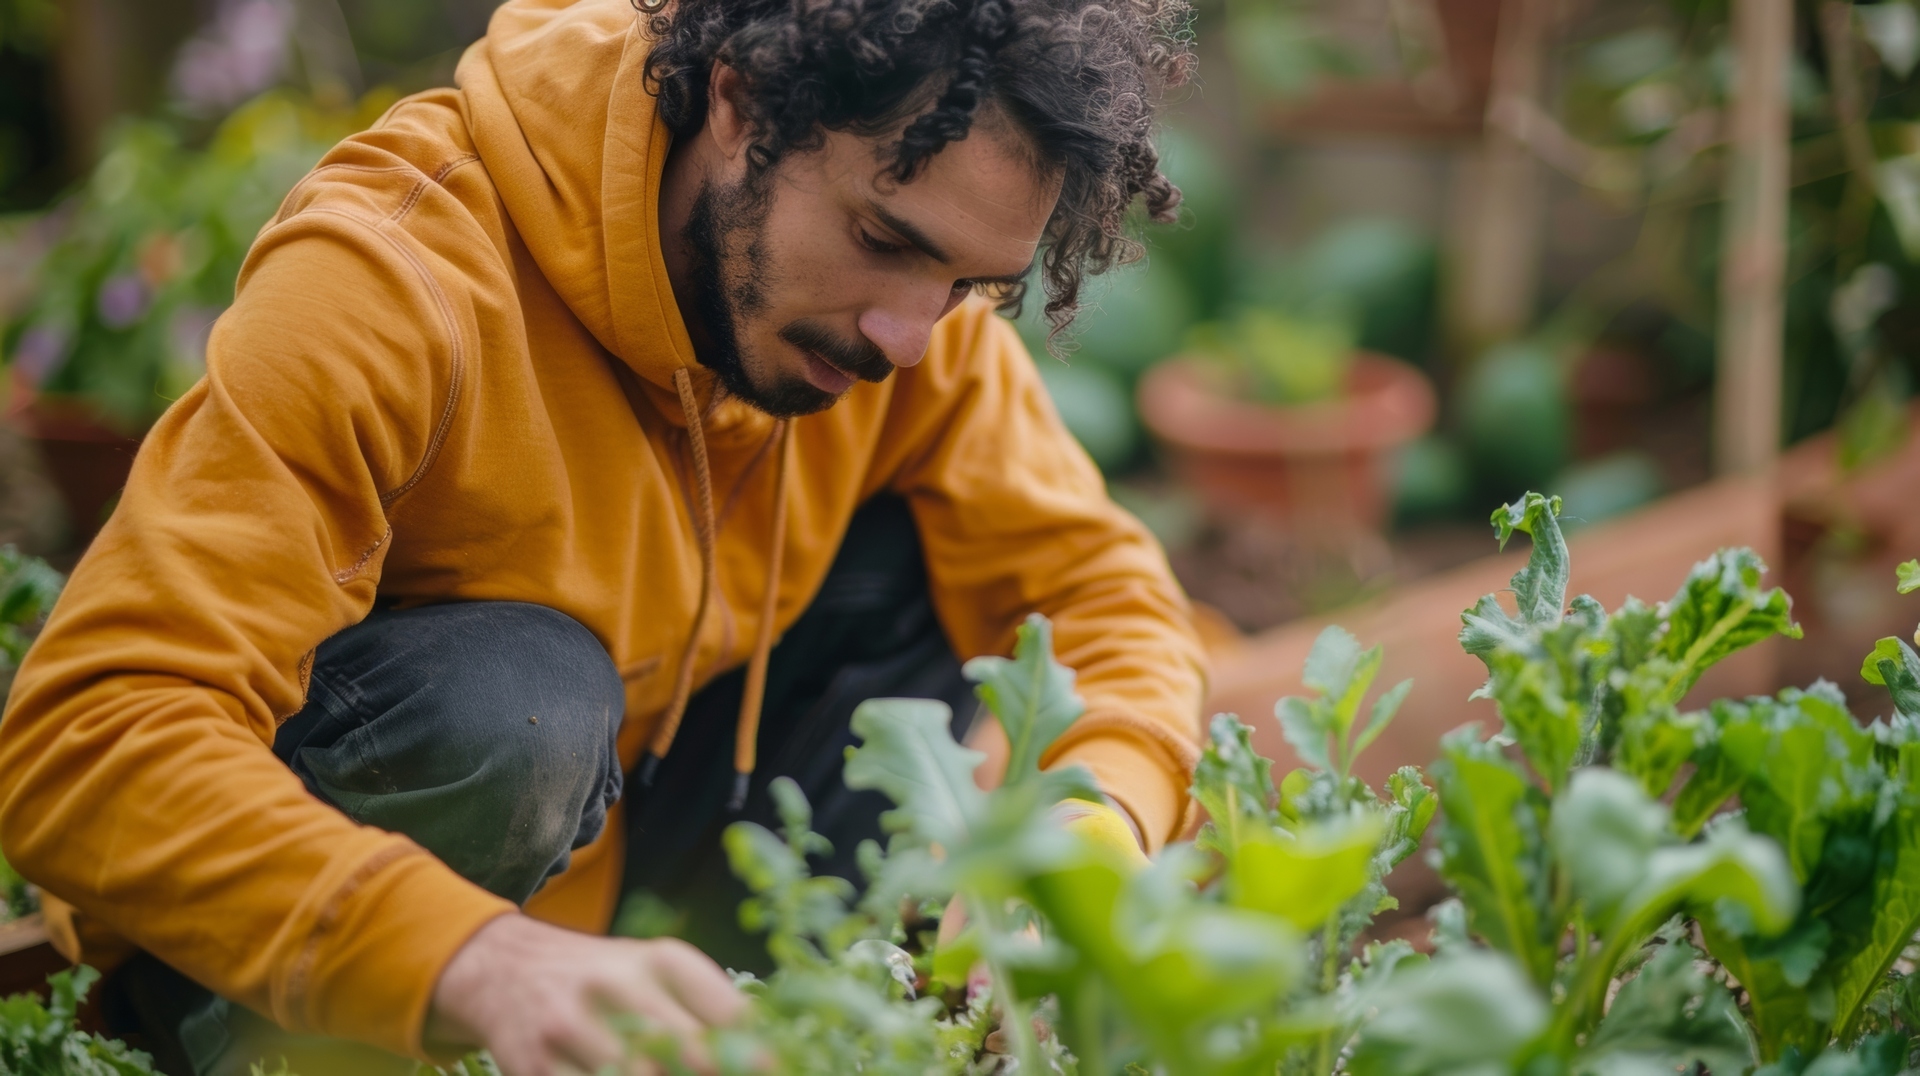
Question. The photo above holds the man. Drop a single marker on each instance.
(543, 410)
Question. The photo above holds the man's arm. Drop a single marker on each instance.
(1015, 519)
(136, 778)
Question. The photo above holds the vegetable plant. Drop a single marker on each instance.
(1641, 885)
(28, 587)
(40, 1038)
(1229, 955)
(1279, 356)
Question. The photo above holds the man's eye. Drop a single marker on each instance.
(963, 285)
(878, 246)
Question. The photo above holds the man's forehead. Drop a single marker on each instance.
(975, 194)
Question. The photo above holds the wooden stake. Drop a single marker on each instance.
(1498, 199)
(1753, 256)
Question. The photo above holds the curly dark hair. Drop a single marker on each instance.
(1081, 78)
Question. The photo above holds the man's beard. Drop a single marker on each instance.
(724, 236)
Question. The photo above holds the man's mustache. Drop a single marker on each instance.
(860, 357)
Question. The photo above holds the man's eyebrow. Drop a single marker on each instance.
(925, 245)
(910, 232)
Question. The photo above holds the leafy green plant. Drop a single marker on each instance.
(28, 588)
(16, 896)
(41, 1039)
(1232, 955)
(1598, 929)
(1279, 357)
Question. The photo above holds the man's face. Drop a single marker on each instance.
(838, 274)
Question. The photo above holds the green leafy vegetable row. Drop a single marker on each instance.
(1641, 884)
(1641, 887)
(1230, 955)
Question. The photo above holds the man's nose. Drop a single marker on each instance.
(904, 337)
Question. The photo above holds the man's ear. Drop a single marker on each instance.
(728, 122)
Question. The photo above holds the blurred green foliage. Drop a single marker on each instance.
(28, 589)
(43, 1038)
(151, 246)
(1513, 415)
(1280, 49)
(16, 897)
(1647, 98)
(1594, 490)
(1277, 357)
(413, 44)
(28, 25)
(1431, 480)
(1282, 324)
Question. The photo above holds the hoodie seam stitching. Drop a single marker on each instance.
(420, 186)
(456, 352)
(329, 917)
(455, 376)
(440, 174)
(322, 169)
(348, 574)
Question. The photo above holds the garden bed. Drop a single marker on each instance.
(1832, 540)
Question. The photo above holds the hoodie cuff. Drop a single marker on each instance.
(1145, 789)
(376, 957)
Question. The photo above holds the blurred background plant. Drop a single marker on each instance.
(1276, 356)
(150, 248)
(1523, 199)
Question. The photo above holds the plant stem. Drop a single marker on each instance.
(1014, 1019)
(1324, 1052)
(1088, 1048)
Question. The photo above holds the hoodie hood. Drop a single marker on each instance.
(562, 119)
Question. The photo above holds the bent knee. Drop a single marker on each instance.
(516, 655)
(488, 701)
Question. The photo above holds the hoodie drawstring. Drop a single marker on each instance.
(747, 729)
(746, 735)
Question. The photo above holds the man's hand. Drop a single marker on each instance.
(1104, 825)
(538, 997)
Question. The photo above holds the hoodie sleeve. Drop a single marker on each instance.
(137, 782)
(1016, 519)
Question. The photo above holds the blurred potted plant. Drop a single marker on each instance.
(1277, 412)
(146, 260)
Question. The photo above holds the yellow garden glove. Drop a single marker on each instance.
(1100, 825)
(1103, 826)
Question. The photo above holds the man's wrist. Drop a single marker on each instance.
(449, 1023)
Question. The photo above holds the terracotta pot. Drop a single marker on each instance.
(87, 460)
(1321, 465)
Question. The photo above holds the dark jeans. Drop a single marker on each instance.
(422, 721)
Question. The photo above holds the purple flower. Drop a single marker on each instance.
(41, 352)
(241, 52)
(123, 300)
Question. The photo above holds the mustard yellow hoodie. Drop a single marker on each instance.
(451, 372)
